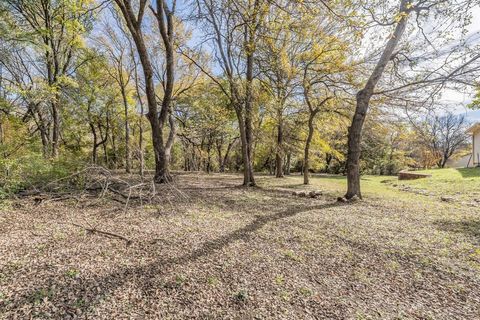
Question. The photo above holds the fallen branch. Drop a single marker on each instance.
(125, 196)
(128, 242)
(100, 183)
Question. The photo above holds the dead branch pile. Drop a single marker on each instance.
(93, 182)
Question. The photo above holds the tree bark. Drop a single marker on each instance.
(95, 145)
(249, 179)
(363, 100)
(328, 161)
(56, 130)
(140, 119)
(227, 153)
(221, 164)
(114, 151)
(306, 157)
(166, 27)
(128, 156)
(209, 158)
(45, 141)
(279, 150)
(288, 164)
(42, 126)
(140, 144)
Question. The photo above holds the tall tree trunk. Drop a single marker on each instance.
(106, 158)
(306, 157)
(288, 164)
(209, 156)
(249, 179)
(279, 150)
(363, 101)
(56, 130)
(140, 144)
(227, 153)
(45, 141)
(247, 172)
(443, 162)
(114, 151)
(42, 128)
(128, 156)
(140, 119)
(194, 165)
(95, 143)
(94, 153)
(166, 27)
(104, 137)
(221, 164)
(328, 161)
(2, 133)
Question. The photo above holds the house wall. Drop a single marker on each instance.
(476, 148)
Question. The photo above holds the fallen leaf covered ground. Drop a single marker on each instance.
(208, 249)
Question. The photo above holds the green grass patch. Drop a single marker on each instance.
(462, 182)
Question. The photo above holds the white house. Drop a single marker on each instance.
(471, 159)
(475, 132)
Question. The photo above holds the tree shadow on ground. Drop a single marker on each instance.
(469, 228)
(469, 172)
(328, 176)
(95, 288)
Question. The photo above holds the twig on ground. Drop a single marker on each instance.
(128, 242)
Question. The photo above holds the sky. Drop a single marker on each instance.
(457, 99)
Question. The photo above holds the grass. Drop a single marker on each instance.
(462, 183)
(213, 250)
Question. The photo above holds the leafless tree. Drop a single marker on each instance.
(443, 135)
(115, 43)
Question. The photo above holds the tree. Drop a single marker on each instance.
(420, 74)
(325, 77)
(278, 59)
(363, 99)
(235, 32)
(115, 43)
(139, 98)
(54, 29)
(206, 126)
(443, 135)
(158, 120)
(94, 96)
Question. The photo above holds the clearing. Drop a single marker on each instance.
(209, 249)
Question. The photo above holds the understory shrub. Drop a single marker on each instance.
(33, 171)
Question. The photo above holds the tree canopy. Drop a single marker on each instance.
(284, 86)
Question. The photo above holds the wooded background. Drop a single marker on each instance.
(277, 86)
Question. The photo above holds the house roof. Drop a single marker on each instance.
(475, 128)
